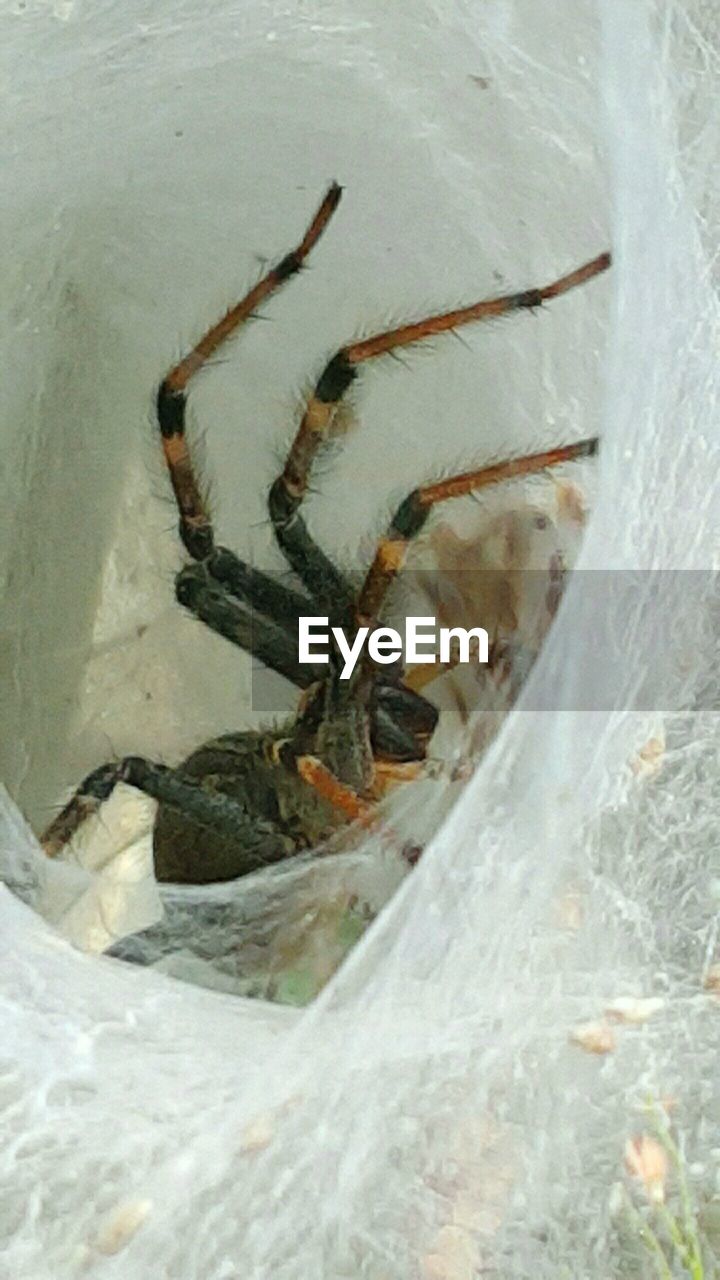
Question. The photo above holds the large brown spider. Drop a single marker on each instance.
(249, 799)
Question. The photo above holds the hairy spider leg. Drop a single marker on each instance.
(413, 512)
(321, 779)
(362, 809)
(289, 490)
(260, 838)
(195, 524)
(274, 644)
(280, 605)
(276, 600)
(262, 842)
(401, 721)
(357, 808)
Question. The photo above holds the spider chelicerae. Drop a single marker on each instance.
(252, 798)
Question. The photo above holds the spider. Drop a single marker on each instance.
(252, 798)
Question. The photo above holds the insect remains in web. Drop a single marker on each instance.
(246, 800)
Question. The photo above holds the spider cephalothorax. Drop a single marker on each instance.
(249, 799)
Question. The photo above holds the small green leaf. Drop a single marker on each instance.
(296, 986)
(351, 927)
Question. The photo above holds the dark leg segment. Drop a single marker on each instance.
(400, 719)
(275, 646)
(220, 813)
(331, 591)
(258, 589)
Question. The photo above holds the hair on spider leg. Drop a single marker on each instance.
(217, 362)
(324, 461)
(459, 338)
(401, 359)
(413, 356)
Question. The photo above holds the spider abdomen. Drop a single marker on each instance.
(284, 815)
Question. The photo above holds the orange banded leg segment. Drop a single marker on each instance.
(341, 797)
(195, 526)
(412, 514)
(486, 309)
(315, 570)
(288, 491)
(391, 773)
(353, 806)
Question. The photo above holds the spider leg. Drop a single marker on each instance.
(272, 642)
(399, 720)
(389, 774)
(412, 514)
(288, 491)
(246, 584)
(221, 813)
(195, 525)
(263, 592)
(339, 794)
(356, 808)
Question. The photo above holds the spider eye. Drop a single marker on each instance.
(541, 522)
